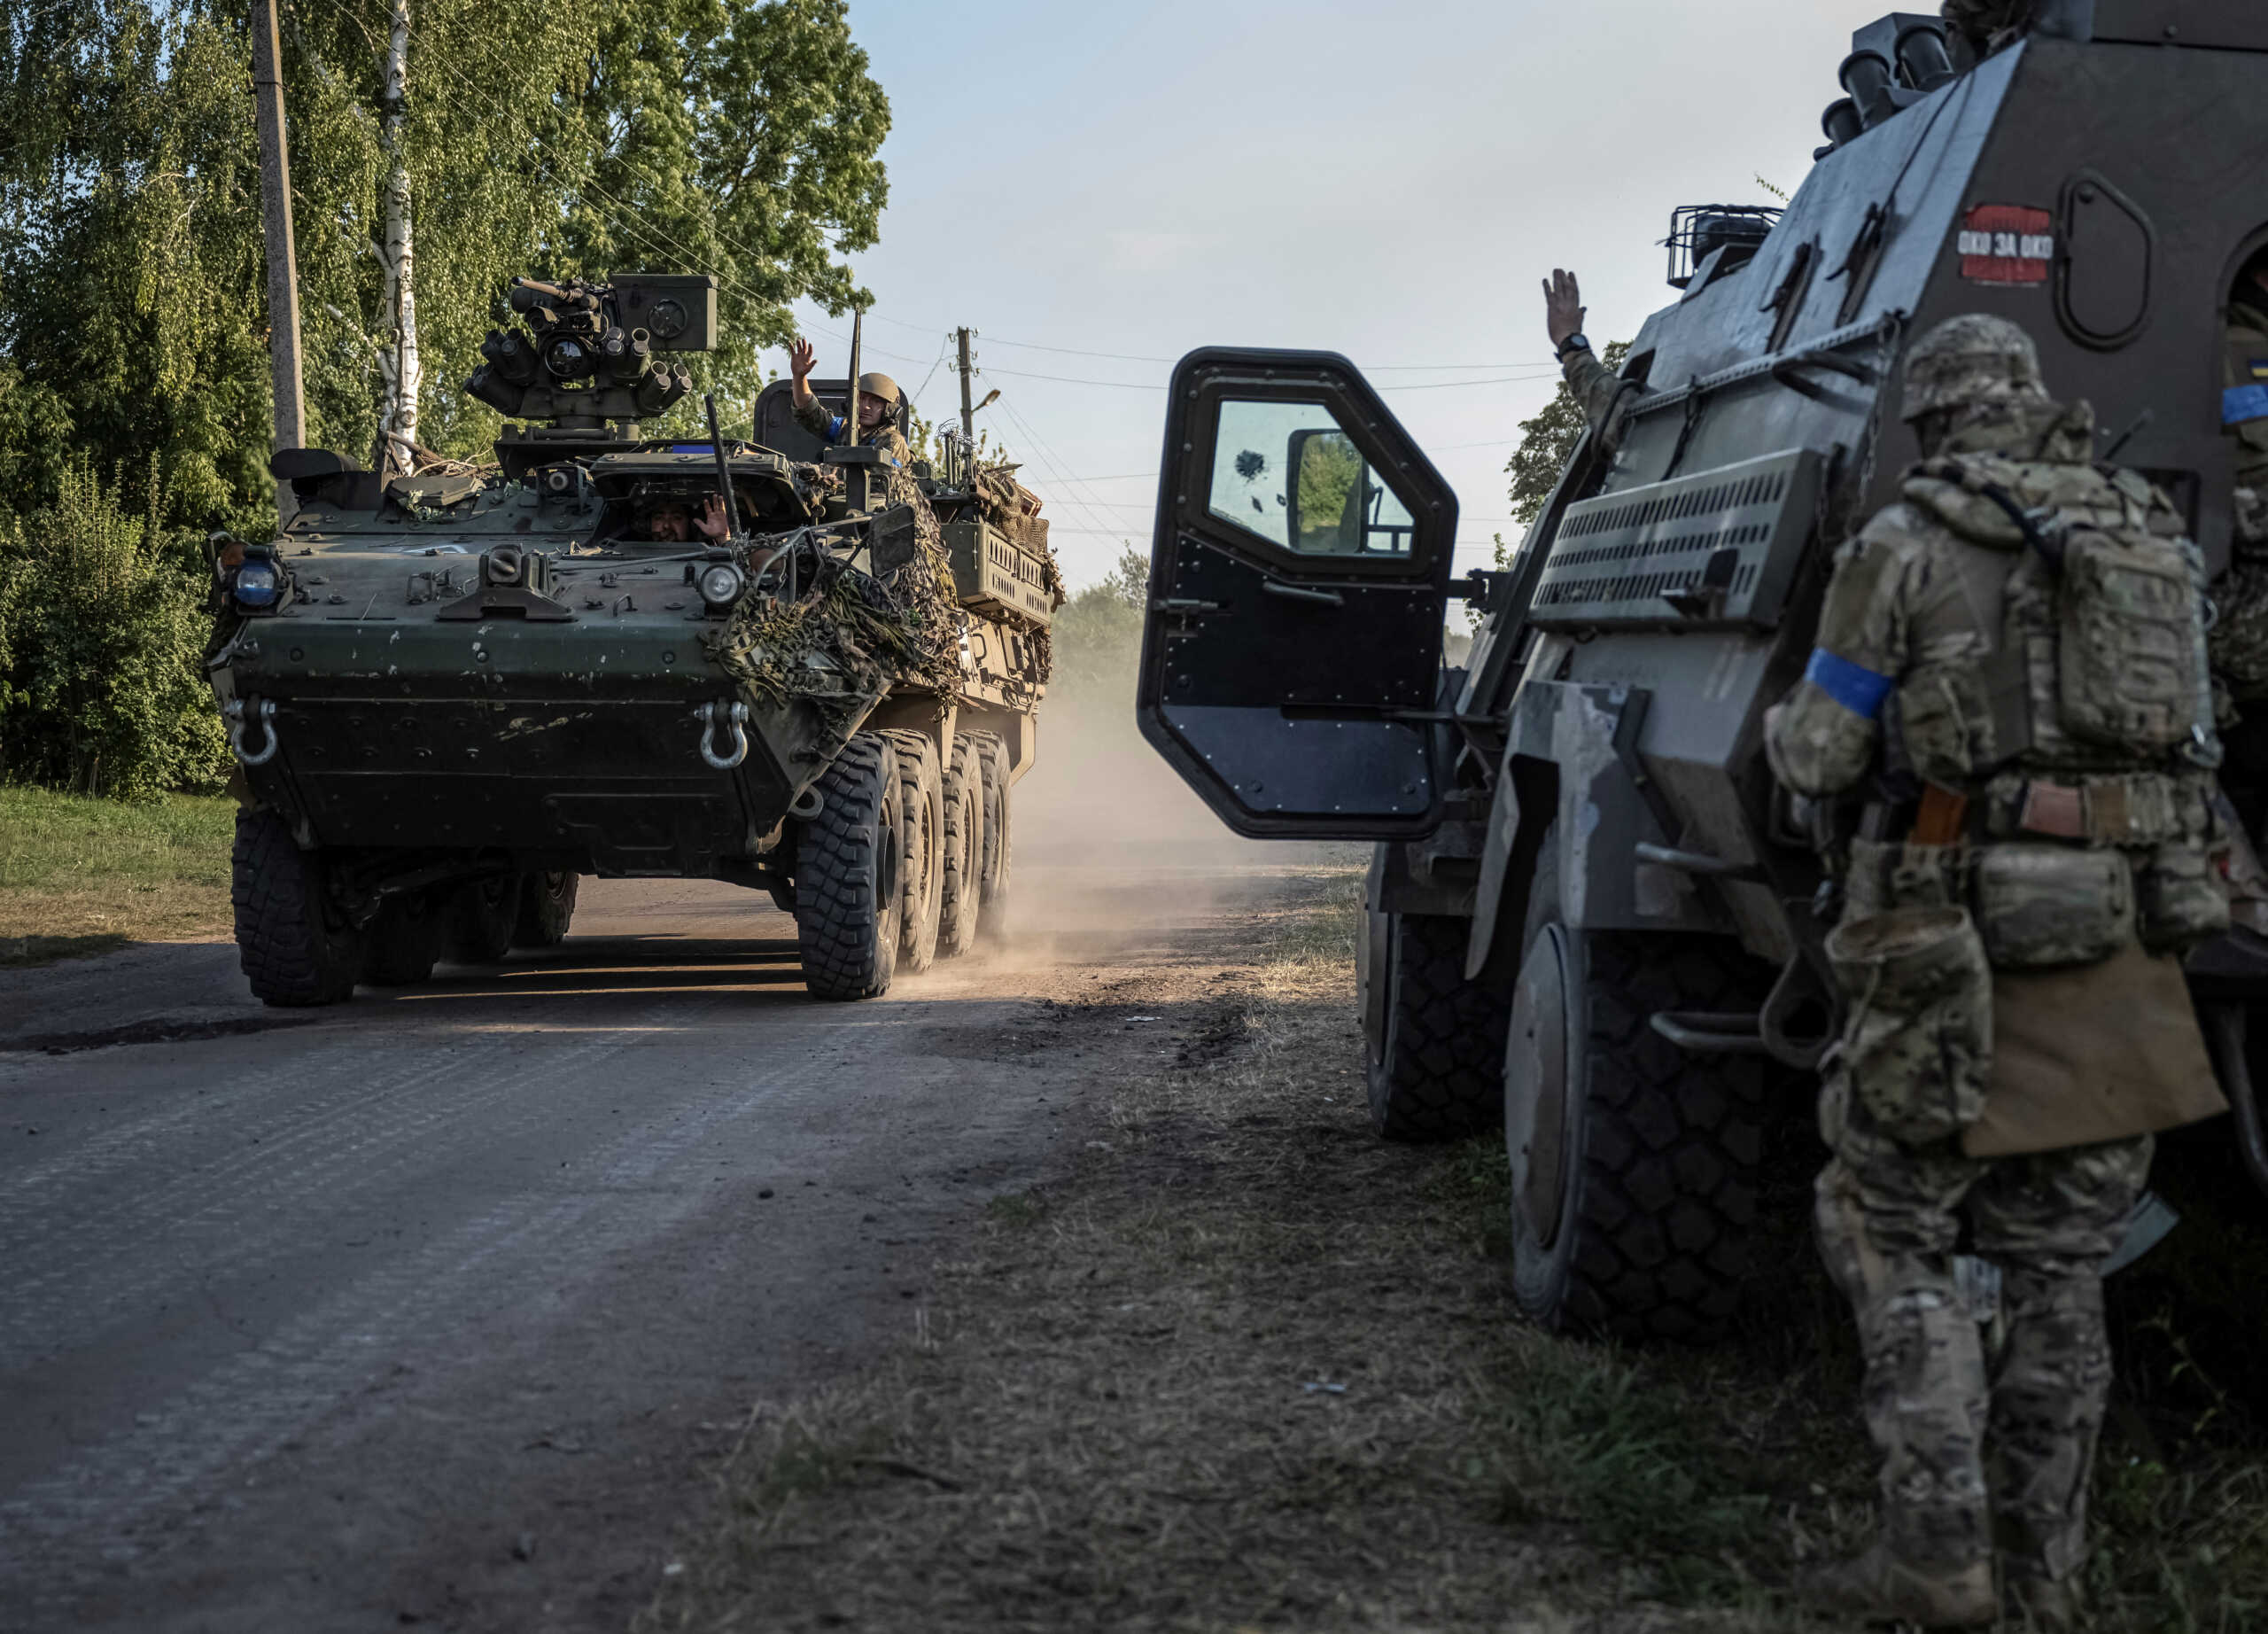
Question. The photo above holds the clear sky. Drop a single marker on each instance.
(1393, 183)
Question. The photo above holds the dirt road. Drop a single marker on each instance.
(427, 1309)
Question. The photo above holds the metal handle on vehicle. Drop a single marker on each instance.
(714, 715)
(261, 711)
(1301, 593)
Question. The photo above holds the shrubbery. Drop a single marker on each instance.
(102, 636)
(1098, 636)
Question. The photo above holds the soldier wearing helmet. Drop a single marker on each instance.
(2009, 687)
(878, 402)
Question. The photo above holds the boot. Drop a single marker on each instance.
(1874, 1588)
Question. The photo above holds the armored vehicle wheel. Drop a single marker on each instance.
(847, 868)
(405, 939)
(962, 883)
(921, 882)
(992, 761)
(295, 948)
(483, 914)
(1434, 1041)
(546, 908)
(1633, 1163)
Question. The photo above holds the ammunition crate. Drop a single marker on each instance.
(994, 576)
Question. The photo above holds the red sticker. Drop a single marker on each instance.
(2007, 244)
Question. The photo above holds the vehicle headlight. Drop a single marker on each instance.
(258, 582)
(721, 585)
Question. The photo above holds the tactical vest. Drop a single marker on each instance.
(2074, 749)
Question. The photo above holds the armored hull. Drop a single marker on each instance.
(452, 694)
(1582, 852)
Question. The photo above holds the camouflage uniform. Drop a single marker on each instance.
(1603, 394)
(2238, 642)
(822, 422)
(1942, 620)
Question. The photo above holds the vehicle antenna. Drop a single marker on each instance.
(850, 406)
(724, 470)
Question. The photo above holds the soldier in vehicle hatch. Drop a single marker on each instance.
(1598, 389)
(675, 520)
(2032, 862)
(878, 400)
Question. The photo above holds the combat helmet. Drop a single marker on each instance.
(882, 386)
(1970, 362)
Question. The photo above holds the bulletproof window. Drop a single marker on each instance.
(1288, 473)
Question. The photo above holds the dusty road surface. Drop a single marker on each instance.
(427, 1309)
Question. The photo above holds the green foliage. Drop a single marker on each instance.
(1547, 442)
(102, 626)
(1329, 466)
(660, 136)
(1098, 634)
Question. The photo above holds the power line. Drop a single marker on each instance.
(1140, 385)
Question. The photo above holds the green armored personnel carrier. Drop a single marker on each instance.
(791, 667)
(1591, 912)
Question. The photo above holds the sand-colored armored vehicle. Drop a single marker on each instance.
(1590, 909)
(454, 693)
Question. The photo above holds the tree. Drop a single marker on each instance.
(656, 136)
(1547, 443)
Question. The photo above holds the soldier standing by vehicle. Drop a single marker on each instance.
(878, 400)
(2010, 662)
(2238, 642)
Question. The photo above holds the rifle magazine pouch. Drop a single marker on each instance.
(2042, 906)
(2180, 900)
(1916, 1052)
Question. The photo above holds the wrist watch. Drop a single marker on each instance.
(1576, 342)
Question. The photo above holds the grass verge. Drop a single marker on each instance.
(1248, 1367)
(80, 875)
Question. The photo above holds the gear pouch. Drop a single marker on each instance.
(1917, 1050)
(2042, 906)
(2179, 896)
(2129, 660)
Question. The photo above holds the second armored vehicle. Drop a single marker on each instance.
(1590, 908)
(785, 665)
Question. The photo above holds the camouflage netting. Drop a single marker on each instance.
(1013, 511)
(898, 629)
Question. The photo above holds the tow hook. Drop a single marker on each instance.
(242, 714)
(712, 716)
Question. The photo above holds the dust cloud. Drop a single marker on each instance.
(1111, 847)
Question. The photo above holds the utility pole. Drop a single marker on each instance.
(399, 365)
(968, 413)
(283, 264)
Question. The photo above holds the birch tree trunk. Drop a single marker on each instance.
(397, 364)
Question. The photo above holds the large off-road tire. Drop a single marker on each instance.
(404, 942)
(1634, 1165)
(483, 916)
(961, 887)
(294, 947)
(546, 908)
(992, 760)
(1434, 1042)
(921, 879)
(847, 868)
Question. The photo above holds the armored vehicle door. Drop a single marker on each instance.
(1290, 656)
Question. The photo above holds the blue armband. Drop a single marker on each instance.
(1858, 689)
(833, 426)
(2240, 403)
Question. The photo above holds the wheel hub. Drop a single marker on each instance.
(1535, 1087)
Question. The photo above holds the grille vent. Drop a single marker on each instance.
(1713, 549)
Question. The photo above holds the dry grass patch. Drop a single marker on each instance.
(1248, 1367)
(80, 876)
